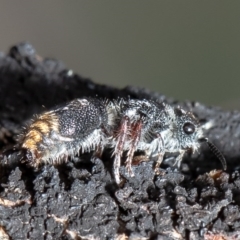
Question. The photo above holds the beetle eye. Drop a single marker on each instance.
(188, 128)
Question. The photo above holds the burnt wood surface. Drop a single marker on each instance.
(80, 199)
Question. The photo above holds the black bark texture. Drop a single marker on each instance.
(80, 199)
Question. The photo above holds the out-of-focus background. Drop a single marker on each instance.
(184, 49)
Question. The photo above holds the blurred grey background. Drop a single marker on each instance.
(184, 49)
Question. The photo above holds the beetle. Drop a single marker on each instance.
(125, 125)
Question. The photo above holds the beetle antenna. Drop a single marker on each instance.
(216, 152)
